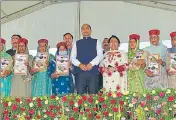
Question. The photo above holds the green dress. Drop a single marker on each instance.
(41, 82)
(135, 76)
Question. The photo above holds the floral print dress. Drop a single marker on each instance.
(116, 75)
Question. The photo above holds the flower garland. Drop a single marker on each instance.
(119, 68)
(153, 105)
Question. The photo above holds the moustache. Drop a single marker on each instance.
(14, 42)
(105, 45)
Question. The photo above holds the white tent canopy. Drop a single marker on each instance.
(13, 7)
(51, 19)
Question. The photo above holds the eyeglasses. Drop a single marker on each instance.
(153, 37)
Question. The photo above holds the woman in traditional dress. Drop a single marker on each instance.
(61, 85)
(156, 81)
(114, 67)
(21, 84)
(136, 72)
(41, 82)
(172, 74)
(5, 72)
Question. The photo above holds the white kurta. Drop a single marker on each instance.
(171, 78)
(160, 81)
(114, 78)
(21, 84)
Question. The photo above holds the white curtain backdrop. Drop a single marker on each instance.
(106, 18)
(121, 19)
(51, 22)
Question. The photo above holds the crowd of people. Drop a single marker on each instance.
(93, 65)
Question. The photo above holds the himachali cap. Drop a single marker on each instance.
(61, 44)
(23, 40)
(154, 32)
(173, 34)
(134, 36)
(3, 41)
(43, 41)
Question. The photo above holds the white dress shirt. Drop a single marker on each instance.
(95, 61)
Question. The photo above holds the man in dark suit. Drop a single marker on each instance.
(14, 41)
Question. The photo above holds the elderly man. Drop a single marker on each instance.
(86, 56)
(171, 68)
(153, 79)
(14, 41)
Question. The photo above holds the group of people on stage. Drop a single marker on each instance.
(93, 65)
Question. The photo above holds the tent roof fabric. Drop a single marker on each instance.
(169, 2)
(12, 7)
